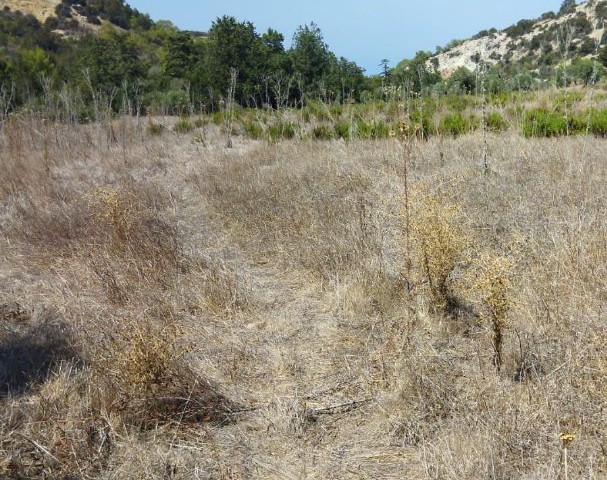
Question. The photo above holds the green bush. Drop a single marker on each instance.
(495, 122)
(281, 131)
(598, 122)
(540, 122)
(323, 132)
(423, 123)
(183, 125)
(342, 130)
(252, 129)
(567, 99)
(218, 117)
(155, 129)
(200, 122)
(373, 130)
(579, 123)
(456, 124)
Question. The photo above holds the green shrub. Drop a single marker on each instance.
(499, 99)
(183, 125)
(598, 122)
(252, 129)
(456, 124)
(567, 99)
(323, 132)
(155, 128)
(540, 122)
(458, 103)
(579, 123)
(495, 122)
(342, 130)
(335, 110)
(281, 131)
(423, 123)
(218, 117)
(373, 130)
(200, 122)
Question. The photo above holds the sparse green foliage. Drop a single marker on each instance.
(183, 125)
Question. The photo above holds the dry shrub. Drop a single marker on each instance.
(492, 275)
(144, 366)
(438, 241)
(128, 223)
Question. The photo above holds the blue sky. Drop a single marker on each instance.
(362, 31)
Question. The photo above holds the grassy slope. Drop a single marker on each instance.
(265, 282)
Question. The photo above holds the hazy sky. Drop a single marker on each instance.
(364, 31)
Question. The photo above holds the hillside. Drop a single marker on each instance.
(576, 31)
(77, 17)
(41, 9)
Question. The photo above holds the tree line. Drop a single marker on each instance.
(121, 56)
(163, 66)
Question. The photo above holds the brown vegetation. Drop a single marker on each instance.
(175, 309)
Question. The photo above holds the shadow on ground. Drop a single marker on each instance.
(30, 344)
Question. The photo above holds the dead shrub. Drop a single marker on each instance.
(129, 231)
(438, 242)
(145, 368)
(223, 290)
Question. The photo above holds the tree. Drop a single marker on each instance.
(345, 79)
(232, 46)
(180, 55)
(462, 80)
(567, 6)
(108, 61)
(385, 69)
(419, 72)
(310, 57)
(586, 71)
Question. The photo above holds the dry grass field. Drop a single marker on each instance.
(173, 309)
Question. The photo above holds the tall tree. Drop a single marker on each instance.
(232, 46)
(310, 56)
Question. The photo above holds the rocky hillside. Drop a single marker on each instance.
(41, 9)
(575, 31)
(68, 17)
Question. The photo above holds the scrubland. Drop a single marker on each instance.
(347, 309)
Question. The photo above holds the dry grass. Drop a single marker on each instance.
(172, 309)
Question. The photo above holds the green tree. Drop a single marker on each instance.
(232, 46)
(108, 61)
(462, 80)
(180, 55)
(310, 57)
(586, 71)
(344, 79)
(567, 7)
(419, 72)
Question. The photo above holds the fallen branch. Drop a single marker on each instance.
(340, 408)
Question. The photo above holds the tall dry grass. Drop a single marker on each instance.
(183, 310)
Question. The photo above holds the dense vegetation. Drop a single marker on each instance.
(121, 52)
(103, 51)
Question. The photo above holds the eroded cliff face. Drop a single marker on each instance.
(579, 31)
